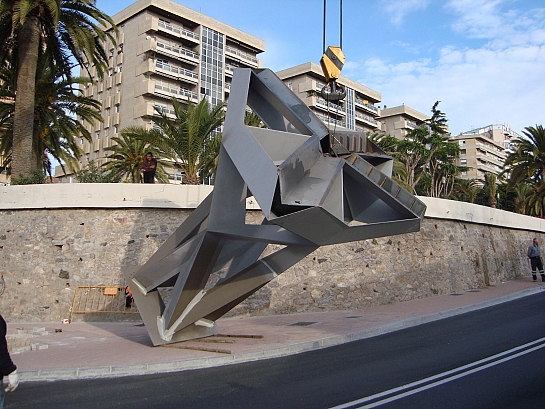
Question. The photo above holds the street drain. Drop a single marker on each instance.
(473, 291)
(354, 316)
(455, 294)
(302, 324)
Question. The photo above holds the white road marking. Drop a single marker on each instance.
(459, 373)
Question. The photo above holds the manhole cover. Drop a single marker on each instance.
(302, 324)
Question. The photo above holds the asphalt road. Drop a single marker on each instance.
(491, 358)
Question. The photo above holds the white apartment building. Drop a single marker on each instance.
(164, 51)
(357, 111)
(484, 149)
(397, 121)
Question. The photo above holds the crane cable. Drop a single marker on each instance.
(332, 137)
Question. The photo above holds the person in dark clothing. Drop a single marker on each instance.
(149, 165)
(534, 254)
(7, 368)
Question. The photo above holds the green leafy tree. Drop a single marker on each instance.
(184, 138)
(62, 27)
(92, 173)
(126, 157)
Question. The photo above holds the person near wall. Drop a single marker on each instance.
(7, 368)
(149, 165)
(534, 254)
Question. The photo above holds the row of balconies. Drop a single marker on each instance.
(155, 24)
(490, 159)
(242, 56)
(172, 71)
(366, 119)
(368, 107)
(177, 30)
(326, 120)
(172, 50)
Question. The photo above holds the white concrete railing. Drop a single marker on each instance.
(128, 195)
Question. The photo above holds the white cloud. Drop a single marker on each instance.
(500, 81)
(398, 9)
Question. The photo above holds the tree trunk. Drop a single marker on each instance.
(24, 155)
(191, 180)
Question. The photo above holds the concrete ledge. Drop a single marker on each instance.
(472, 213)
(130, 195)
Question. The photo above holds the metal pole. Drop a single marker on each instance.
(325, 9)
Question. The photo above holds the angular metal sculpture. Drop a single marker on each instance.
(314, 190)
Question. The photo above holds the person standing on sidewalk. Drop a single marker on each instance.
(534, 254)
(7, 368)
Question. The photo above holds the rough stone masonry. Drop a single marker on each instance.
(46, 254)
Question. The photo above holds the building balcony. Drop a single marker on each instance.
(174, 72)
(177, 31)
(366, 119)
(175, 51)
(490, 159)
(246, 58)
(327, 106)
(327, 120)
(164, 90)
(366, 106)
(229, 69)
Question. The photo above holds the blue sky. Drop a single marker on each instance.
(483, 59)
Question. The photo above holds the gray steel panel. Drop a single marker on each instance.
(247, 282)
(375, 230)
(155, 275)
(289, 104)
(278, 145)
(314, 224)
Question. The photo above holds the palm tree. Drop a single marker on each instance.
(129, 153)
(184, 138)
(527, 162)
(523, 192)
(27, 28)
(466, 190)
(251, 119)
(60, 109)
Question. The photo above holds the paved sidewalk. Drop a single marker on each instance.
(87, 350)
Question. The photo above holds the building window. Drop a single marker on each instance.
(212, 62)
(462, 143)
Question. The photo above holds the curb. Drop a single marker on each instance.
(198, 363)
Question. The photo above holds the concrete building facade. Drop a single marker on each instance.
(164, 51)
(357, 111)
(484, 149)
(397, 121)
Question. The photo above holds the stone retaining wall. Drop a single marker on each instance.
(46, 253)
